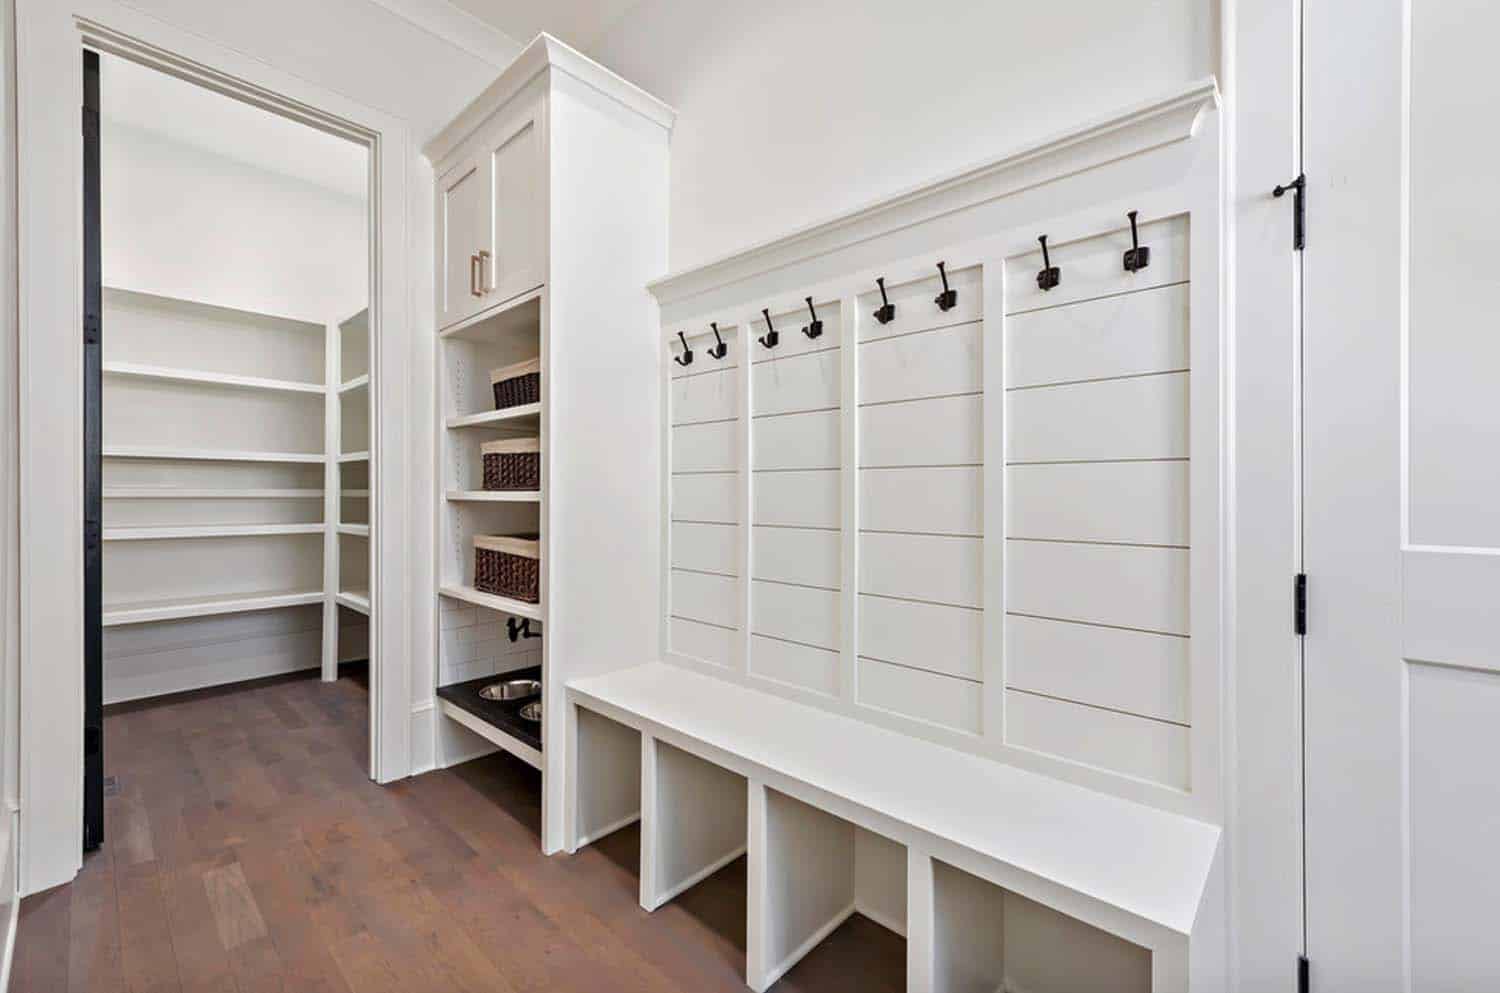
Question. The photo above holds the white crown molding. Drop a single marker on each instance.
(1153, 124)
(457, 27)
(545, 52)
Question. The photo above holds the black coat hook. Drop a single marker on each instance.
(1136, 257)
(519, 629)
(1050, 275)
(887, 312)
(686, 358)
(771, 338)
(720, 349)
(815, 329)
(948, 299)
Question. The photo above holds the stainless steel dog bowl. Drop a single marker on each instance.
(532, 711)
(511, 689)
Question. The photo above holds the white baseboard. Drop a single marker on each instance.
(423, 737)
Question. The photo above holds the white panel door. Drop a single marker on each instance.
(461, 206)
(512, 247)
(1402, 491)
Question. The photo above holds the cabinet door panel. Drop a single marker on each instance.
(460, 222)
(512, 154)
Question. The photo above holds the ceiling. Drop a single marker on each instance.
(577, 22)
(141, 98)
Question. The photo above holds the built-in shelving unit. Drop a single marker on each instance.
(218, 506)
(347, 548)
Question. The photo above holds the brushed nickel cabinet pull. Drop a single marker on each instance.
(484, 283)
(473, 276)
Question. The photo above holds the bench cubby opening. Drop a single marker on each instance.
(693, 820)
(605, 770)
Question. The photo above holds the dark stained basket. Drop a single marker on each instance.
(508, 566)
(512, 464)
(517, 385)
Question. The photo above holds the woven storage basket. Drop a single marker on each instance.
(518, 384)
(512, 464)
(508, 566)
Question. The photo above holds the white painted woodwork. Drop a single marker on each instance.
(938, 432)
(705, 447)
(705, 597)
(1129, 586)
(937, 637)
(711, 396)
(227, 380)
(1090, 267)
(928, 500)
(944, 700)
(1125, 502)
(805, 666)
(789, 325)
(706, 548)
(880, 880)
(787, 384)
(1127, 335)
(145, 611)
(915, 306)
(1135, 746)
(801, 614)
(796, 441)
(1139, 418)
(710, 498)
(800, 556)
(944, 362)
(933, 568)
(697, 640)
(1132, 671)
(804, 499)
(693, 820)
(700, 340)
(611, 776)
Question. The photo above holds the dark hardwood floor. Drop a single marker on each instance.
(248, 851)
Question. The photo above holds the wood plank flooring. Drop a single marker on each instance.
(247, 851)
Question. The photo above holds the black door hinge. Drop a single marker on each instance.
(1299, 603)
(1298, 188)
(1302, 974)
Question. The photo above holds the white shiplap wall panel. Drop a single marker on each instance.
(803, 556)
(929, 636)
(1114, 336)
(706, 548)
(925, 696)
(1140, 502)
(797, 441)
(1121, 585)
(1140, 418)
(937, 500)
(796, 383)
(698, 596)
(712, 396)
(811, 668)
(705, 447)
(931, 364)
(1092, 267)
(1134, 746)
(789, 325)
(916, 309)
(1145, 674)
(701, 340)
(707, 497)
(936, 568)
(795, 613)
(943, 431)
(797, 499)
(702, 641)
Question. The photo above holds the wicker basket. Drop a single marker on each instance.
(518, 384)
(512, 464)
(508, 566)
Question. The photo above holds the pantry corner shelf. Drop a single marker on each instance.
(493, 496)
(491, 417)
(147, 611)
(506, 605)
(353, 384)
(348, 457)
(358, 600)
(206, 378)
(209, 531)
(172, 454)
(212, 493)
(357, 530)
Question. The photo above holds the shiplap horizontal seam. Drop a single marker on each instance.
(794, 413)
(717, 524)
(1096, 624)
(908, 334)
(1164, 458)
(816, 468)
(930, 603)
(705, 472)
(712, 420)
(799, 355)
(918, 668)
(798, 527)
(790, 641)
(1086, 541)
(800, 586)
(1102, 296)
(1096, 379)
(705, 572)
(939, 465)
(705, 372)
(935, 396)
(1096, 706)
(694, 620)
(921, 534)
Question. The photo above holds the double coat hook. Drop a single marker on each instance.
(720, 349)
(887, 310)
(948, 299)
(815, 329)
(1137, 257)
(1050, 275)
(771, 339)
(686, 358)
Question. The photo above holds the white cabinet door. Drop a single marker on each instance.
(513, 160)
(461, 210)
(1402, 489)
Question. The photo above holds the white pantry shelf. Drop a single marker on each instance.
(505, 605)
(209, 531)
(493, 417)
(492, 734)
(494, 496)
(358, 530)
(348, 457)
(353, 384)
(355, 600)
(188, 493)
(171, 454)
(146, 611)
(354, 493)
(142, 371)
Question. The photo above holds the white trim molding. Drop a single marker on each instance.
(457, 27)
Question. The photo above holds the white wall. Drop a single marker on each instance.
(9, 493)
(182, 222)
(793, 110)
